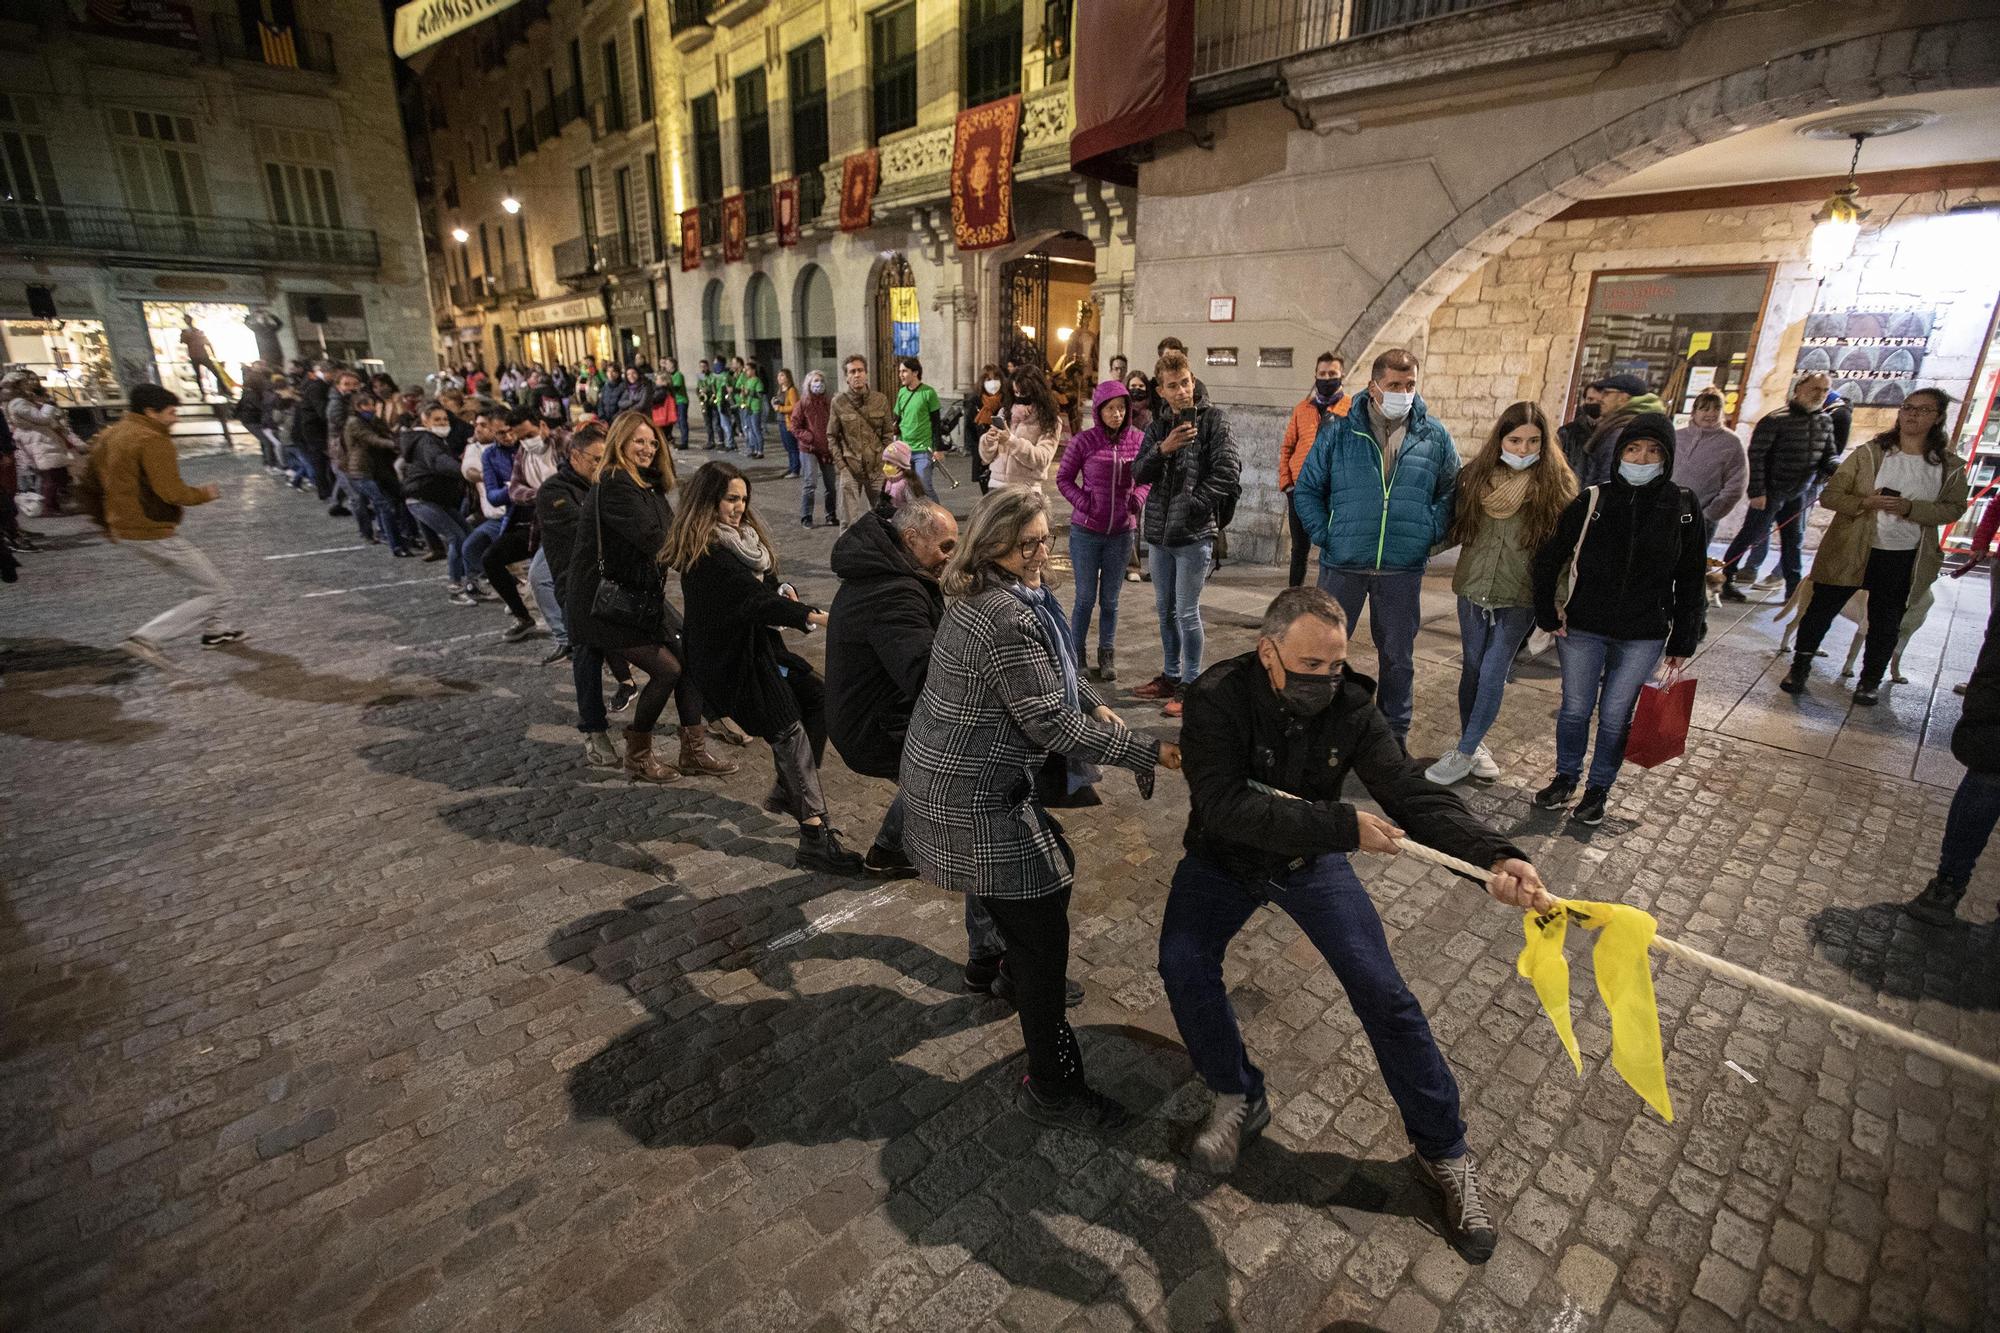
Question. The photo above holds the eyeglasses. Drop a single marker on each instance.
(1032, 545)
(1921, 409)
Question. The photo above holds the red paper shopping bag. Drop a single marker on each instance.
(1660, 726)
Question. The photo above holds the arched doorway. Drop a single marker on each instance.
(1045, 304)
(813, 318)
(718, 334)
(894, 275)
(763, 333)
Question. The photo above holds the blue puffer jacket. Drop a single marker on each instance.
(1358, 518)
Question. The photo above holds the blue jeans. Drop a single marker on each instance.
(477, 543)
(543, 581)
(1205, 911)
(1178, 575)
(791, 447)
(1489, 639)
(1787, 515)
(681, 411)
(1394, 599)
(816, 471)
(725, 417)
(1975, 808)
(1099, 561)
(374, 502)
(982, 934)
(1601, 675)
(449, 529)
(750, 427)
(925, 465)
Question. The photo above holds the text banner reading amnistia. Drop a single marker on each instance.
(424, 23)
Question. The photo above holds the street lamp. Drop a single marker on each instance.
(461, 235)
(511, 204)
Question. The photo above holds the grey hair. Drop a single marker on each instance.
(431, 405)
(919, 516)
(1295, 604)
(994, 528)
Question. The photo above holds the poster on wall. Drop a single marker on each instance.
(1872, 355)
(903, 322)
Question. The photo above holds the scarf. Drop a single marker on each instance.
(744, 543)
(1056, 638)
(1506, 491)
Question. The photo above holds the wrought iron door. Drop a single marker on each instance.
(1024, 305)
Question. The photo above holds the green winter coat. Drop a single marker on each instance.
(1495, 568)
(1842, 560)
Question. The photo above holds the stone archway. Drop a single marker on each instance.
(1937, 58)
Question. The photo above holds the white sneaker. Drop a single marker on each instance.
(1454, 767)
(1483, 766)
(1774, 579)
(1232, 1122)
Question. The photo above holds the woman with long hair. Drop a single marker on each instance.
(1890, 498)
(616, 599)
(1510, 496)
(1023, 442)
(783, 400)
(735, 608)
(1002, 700)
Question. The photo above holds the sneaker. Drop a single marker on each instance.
(519, 630)
(820, 849)
(599, 751)
(1454, 766)
(1131, 576)
(888, 863)
(340, 511)
(1732, 593)
(147, 653)
(432, 557)
(401, 555)
(1590, 810)
(980, 974)
(1959, 689)
(463, 598)
(622, 698)
(1232, 1123)
(1937, 905)
(1867, 695)
(1003, 987)
(1172, 708)
(223, 636)
(805, 522)
(1082, 1109)
(560, 653)
(1483, 766)
(1161, 686)
(1556, 795)
(1774, 579)
(1795, 679)
(1468, 1225)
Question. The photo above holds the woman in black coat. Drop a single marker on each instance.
(627, 511)
(735, 608)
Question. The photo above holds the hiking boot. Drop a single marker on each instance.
(1454, 766)
(1468, 1226)
(138, 648)
(519, 630)
(641, 764)
(1556, 795)
(696, 760)
(820, 849)
(598, 751)
(1590, 810)
(888, 863)
(1003, 988)
(223, 637)
(1232, 1123)
(1795, 679)
(1161, 686)
(1483, 766)
(621, 699)
(1937, 905)
(1082, 1109)
(1731, 593)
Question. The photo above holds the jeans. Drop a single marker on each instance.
(890, 835)
(586, 669)
(682, 424)
(184, 560)
(1099, 561)
(1395, 606)
(372, 500)
(1490, 639)
(983, 941)
(1975, 808)
(1756, 531)
(1301, 544)
(448, 528)
(1178, 575)
(542, 581)
(1036, 932)
(726, 418)
(1887, 579)
(267, 444)
(925, 465)
(816, 471)
(750, 426)
(1604, 675)
(477, 542)
(1207, 908)
(511, 547)
(791, 443)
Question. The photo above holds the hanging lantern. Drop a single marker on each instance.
(1837, 225)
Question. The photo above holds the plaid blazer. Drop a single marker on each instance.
(991, 713)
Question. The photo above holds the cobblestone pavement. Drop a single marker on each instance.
(338, 994)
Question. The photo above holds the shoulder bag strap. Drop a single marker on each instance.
(1576, 556)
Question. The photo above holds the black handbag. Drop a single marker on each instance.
(616, 603)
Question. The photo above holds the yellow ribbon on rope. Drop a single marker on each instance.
(1624, 980)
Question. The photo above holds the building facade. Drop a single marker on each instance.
(193, 163)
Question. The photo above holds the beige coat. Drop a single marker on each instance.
(1020, 455)
(1843, 551)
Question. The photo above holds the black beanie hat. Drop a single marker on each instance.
(1655, 426)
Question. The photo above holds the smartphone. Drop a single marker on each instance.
(1891, 492)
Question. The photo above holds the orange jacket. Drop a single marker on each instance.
(1300, 432)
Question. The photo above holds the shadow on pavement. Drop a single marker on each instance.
(278, 676)
(1897, 955)
(32, 668)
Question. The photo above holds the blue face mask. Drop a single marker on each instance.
(1638, 474)
(1519, 462)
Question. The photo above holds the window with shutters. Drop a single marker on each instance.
(159, 160)
(642, 56)
(30, 202)
(892, 48)
(992, 31)
(298, 177)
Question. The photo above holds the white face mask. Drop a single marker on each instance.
(1638, 474)
(993, 386)
(441, 432)
(1396, 406)
(1519, 462)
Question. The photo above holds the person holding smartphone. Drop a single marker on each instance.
(1891, 498)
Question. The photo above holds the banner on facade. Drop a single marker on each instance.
(904, 325)
(1129, 80)
(168, 22)
(982, 174)
(424, 23)
(735, 228)
(690, 240)
(859, 175)
(1873, 356)
(785, 196)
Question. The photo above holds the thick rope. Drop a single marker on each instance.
(1886, 1031)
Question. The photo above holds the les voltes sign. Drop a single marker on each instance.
(425, 23)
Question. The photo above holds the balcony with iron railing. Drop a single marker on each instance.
(290, 47)
(576, 259)
(711, 223)
(691, 28)
(812, 195)
(175, 238)
(607, 116)
(759, 216)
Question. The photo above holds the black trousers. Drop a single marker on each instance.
(1887, 580)
(1301, 546)
(515, 543)
(664, 680)
(1037, 934)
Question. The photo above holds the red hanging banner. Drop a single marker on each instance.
(785, 198)
(690, 240)
(859, 175)
(982, 174)
(735, 227)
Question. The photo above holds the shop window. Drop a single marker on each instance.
(992, 50)
(1679, 330)
(892, 47)
(159, 160)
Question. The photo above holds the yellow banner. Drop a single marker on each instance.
(903, 305)
(423, 23)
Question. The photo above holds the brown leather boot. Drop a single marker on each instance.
(696, 760)
(641, 764)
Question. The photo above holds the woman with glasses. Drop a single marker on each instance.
(1891, 498)
(1003, 702)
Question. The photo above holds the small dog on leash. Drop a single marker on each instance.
(1714, 579)
(1856, 612)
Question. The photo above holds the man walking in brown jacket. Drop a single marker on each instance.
(858, 430)
(133, 488)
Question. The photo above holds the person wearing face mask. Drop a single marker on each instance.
(1622, 397)
(1709, 459)
(1376, 494)
(1576, 432)
(1325, 400)
(1789, 449)
(1105, 505)
(1510, 496)
(1636, 565)
(816, 466)
(983, 407)
(1268, 742)
(434, 492)
(371, 460)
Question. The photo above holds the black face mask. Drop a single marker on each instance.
(1326, 391)
(1306, 695)
(1589, 411)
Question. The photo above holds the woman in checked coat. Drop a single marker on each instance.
(1002, 701)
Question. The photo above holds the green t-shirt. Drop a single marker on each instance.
(680, 387)
(913, 416)
(749, 389)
